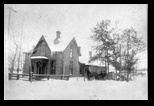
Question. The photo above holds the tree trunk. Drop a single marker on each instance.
(133, 73)
(120, 64)
(12, 67)
(127, 76)
(116, 74)
(84, 74)
(107, 64)
(13, 61)
(120, 74)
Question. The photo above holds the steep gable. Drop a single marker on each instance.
(46, 45)
(76, 46)
(42, 48)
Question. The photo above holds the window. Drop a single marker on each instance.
(71, 51)
(71, 68)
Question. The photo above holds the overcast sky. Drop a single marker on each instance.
(73, 20)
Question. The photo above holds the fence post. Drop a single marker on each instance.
(68, 78)
(84, 74)
(17, 76)
(30, 76)
(10, 76)
(48, 77)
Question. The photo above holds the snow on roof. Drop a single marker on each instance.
(58, 47)
(38, 57)
(95, 63)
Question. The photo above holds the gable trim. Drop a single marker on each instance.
(42, 38)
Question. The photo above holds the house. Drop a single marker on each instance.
(92, 68)
(54, 57)
(82, 69)
(97, 69)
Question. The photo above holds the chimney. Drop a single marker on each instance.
(79, 50)
(58, 34)
(56, 41)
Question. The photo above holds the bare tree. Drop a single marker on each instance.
(131, 46)
(134, 45)
(13, 55)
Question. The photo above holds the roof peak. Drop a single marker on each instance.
(64, 41)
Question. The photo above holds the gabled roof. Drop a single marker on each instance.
(41, 39)
(64, 42)
(95, 63)
(62, 45)
(58, 47)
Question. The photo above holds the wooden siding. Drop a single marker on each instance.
(74, 59)
(57, 56)
(42, 50)
(62, 58)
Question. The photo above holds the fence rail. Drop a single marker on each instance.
(33, 76)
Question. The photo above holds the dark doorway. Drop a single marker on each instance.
(71, 68)
(53, 67)
(39, 66)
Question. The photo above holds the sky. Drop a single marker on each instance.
(72, 20)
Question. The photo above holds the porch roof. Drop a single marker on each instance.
(39, 57)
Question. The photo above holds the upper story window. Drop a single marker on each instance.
(71, 51)
(42, 49)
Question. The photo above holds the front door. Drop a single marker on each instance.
(53, 67)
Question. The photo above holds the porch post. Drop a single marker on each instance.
(84, 73)
(35, 67)
(63, 69)
(48, 69)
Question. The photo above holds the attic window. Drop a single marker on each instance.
(71, 51)
(42, 47)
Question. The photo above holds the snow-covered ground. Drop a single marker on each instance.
(77, 90)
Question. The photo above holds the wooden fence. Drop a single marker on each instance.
(33, 76)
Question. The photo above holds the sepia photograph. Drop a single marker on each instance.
(75, 52)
